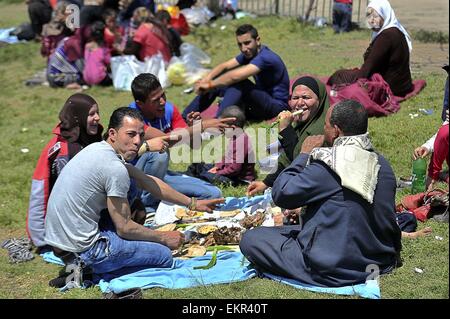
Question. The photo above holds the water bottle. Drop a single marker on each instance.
(419, 174)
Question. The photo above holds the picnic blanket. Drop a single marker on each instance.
(5, 37)
(231, 266)
(370, 289)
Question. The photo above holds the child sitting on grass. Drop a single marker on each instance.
(238, 164)
(97, 57)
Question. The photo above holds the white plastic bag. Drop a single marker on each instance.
(155, 65)
(125, 68)
(192, 54)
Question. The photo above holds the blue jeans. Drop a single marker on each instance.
(342, 17)
(112, 256)
(192, 186)
(154, 164)
(259, 105)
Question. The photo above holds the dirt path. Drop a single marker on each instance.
(430, 15)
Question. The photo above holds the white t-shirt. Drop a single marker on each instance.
(79, 195)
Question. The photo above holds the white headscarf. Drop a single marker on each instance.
(384, 9)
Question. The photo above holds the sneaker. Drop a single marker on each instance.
(133, 293)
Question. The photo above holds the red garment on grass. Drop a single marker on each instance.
(440, 153)
(373, 93)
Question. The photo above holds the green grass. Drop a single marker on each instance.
(304, 50)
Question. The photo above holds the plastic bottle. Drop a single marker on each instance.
(419, 174)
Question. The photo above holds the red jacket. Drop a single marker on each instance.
(53, 158)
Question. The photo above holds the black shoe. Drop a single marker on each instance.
(133, 293)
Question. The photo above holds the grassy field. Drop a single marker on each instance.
(30, 113)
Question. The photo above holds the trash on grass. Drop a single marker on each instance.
(418, 270)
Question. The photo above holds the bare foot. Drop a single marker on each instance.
(73, 86)
(420, 233)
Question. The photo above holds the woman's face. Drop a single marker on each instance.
(92, 120)
(303, 98)
(374, 20)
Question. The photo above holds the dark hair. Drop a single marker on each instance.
(350, 116)
(97, 32)
(247, 28)
(143, 85)
(234, 111)
(163, 15)
(109, 12)
(116, 119)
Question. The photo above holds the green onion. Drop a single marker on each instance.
(211, 263)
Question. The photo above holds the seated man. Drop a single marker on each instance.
(349, 223)
(95, 183)
(160, 119)
(262, 100)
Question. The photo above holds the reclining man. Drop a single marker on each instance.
(88, 216)
(262, 100)
(349, 228)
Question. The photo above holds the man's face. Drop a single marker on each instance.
(128, 138)
(330, 131)
(249, 47)
(154, 106)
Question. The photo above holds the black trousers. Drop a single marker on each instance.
(40, 13)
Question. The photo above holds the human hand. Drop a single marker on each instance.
(420, 152)
(220, 124)
(202, 86)
(430, 184)
(285, 119)
(172, 239)
(312, 142)
(256, 187)
(213, 170)
(193, 116)
(292, 215)
(208, 205)
(159, 144)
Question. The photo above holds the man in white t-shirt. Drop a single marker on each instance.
(88, 214)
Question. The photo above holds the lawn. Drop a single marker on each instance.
(30, 113)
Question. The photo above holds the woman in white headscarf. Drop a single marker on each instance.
(388, 53)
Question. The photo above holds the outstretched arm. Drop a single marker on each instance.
(162, 191)
(228, 78)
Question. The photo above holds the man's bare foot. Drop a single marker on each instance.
(420, 233)
(73, 86)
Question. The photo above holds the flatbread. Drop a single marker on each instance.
(183, 213)
(206, 229)
(230, 213)
(195, 251)
(167, 227)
